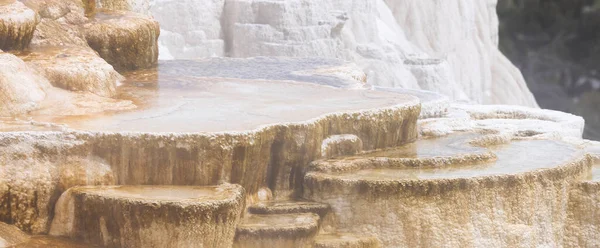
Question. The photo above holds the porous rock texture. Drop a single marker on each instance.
(150, 216)
(541, 207)
(142, 7)
(282, 230)
(59, 20)
(74, 68)
(271, 157)
(340, 145)
(60, 52)
(583, 225)
(11, 235)
(345, 240)
(34, 172)
(17, 23)
(516, 209)
(25, 90)
(379, 36)
(126, 40)
(21, 88)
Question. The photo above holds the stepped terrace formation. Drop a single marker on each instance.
(104, 145)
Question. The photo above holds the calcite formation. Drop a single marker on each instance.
(11, 235)
(339, 145)
(346, 240)
(150, 216)
(459, 174)
(379, 36)
(74, 68)
(282, 151)
(21, 88)
(17, 23)
(59, 23)
(281, 230)
(142, 7)
(265, 148)
(431, 199)
(124, 39)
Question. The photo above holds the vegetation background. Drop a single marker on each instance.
(556, 44)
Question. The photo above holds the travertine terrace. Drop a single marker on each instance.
(103, 145)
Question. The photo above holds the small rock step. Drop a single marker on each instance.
(289, 207)
(150, 216)
(277, 230)
(345, 240)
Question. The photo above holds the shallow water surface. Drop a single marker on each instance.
(514, 158)
(228, 95)
(451, 145)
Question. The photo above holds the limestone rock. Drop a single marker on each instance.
(30, 180)
(90, 7)
(377, 35)
(59, 20)
(150, 216)
(69, 11)
(341, 145)
(453, 203)
(582, 222)
(21, 88)
(138, 6)
(189, 28)
(346, 240)
(289, 207)
(55, 33)
(124, 39)
(264, 147)
(74, 68)
(17, 23)
(11, 235)
(277, 230)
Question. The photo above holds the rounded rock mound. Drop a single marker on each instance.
(74, 68)
(150, 216)
(21, 88)
(126, 40)
(17, 24)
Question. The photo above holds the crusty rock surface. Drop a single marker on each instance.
(21, 88)
(17, 23)
(59, 20)
(150, 216)
(11, 235)
(74, 68)
(33, 174)
(377, 35)
(126, 40)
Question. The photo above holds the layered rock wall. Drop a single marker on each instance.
(378, 35)
(273, 157)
